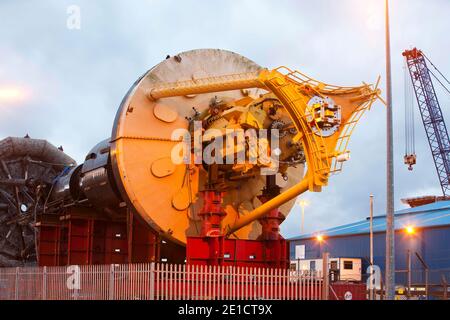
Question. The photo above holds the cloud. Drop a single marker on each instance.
(77, 78)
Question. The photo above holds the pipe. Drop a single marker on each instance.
(35, 149)
(206, 85)
(274, 203)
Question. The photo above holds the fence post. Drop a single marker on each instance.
(325, 276)
(408, 262)
(425, 266)
(111, 282)
(152, 281)
(16, 285)
(444, 288)
(44, 283)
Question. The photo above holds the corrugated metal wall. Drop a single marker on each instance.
(436, 252)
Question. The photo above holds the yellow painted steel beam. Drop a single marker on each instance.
(295, 103)
(276, 202)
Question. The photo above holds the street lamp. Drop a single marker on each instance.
(303, 204)
(410, 230)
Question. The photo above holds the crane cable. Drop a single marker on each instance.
(436, 68)
(437, 79)
(440, 73)
(410, 148)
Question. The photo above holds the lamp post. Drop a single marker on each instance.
(319, 239)
(371, 229)
(390, 232)
(303, 204)
(410, 231)
(371, 295)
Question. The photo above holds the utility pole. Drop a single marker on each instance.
(325, 275)
(371, 290)
(408, 263)
(390, 232)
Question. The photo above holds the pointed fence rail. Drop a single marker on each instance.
(158, 281)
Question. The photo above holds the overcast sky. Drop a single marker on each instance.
(74, 80)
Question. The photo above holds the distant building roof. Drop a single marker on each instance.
(430, 215)
(423, 200)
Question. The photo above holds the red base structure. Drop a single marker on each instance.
(235, 252)
(81, 237)
(213, 249)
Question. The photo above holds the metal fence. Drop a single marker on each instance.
(157, 281)
(423, 284)
(415, 284)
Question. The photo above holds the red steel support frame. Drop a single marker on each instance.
(143, 244)
(49, 244)
(80, 237)
(212, 248)
(212, 213)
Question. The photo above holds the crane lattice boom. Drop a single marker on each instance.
(431, 113)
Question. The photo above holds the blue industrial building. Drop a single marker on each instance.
(428, 236)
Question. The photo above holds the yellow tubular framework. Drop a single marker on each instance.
(294, 90)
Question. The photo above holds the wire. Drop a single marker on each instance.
(406, 109)
(435, 77)
(436, 68)
(443, 86)
(409, 113)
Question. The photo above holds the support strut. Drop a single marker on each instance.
(271, 221)
(212, 213)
